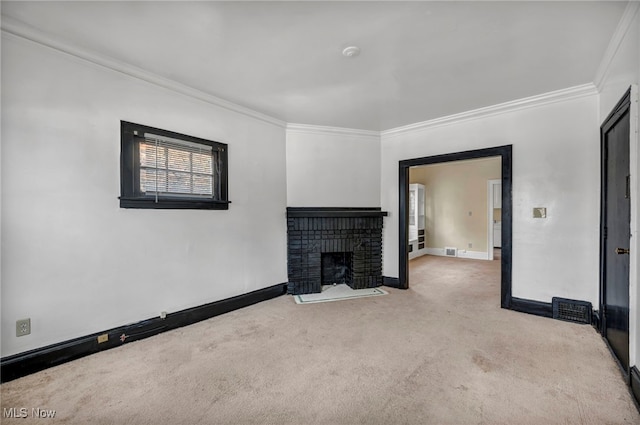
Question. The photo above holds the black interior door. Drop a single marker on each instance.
(615, 232)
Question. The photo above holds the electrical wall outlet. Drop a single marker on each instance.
(470, 245)
(23, 327)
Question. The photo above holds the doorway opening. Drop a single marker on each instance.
(455, 209)
(504, 155)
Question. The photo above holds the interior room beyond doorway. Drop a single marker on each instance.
(455, 209)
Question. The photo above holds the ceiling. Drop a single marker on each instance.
(418, 61)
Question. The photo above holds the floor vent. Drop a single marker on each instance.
(451, 252)
(571, 310)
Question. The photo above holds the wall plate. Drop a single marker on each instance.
(540, 212)
(23, 327)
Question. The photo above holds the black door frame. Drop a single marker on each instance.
(505, 152)
(621, 108)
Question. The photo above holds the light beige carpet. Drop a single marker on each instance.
(442, 352)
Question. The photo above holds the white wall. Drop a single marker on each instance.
(623, 68)
(76, 263)
(328, 167)
(555, 165)
(618, 73)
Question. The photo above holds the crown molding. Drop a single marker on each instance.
(16, 28)
(331, 131)
(614, 44)
(515, 105)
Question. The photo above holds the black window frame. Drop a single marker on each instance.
(130, 194)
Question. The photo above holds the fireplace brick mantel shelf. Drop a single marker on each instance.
(354, 233)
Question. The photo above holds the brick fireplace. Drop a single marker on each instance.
(333, 245)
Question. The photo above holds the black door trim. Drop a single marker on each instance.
(505, 152)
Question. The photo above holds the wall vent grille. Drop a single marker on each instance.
(572, 310)
(450, 252)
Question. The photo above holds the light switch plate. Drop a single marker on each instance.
(540, 212)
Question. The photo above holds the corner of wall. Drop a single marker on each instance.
(620, 33)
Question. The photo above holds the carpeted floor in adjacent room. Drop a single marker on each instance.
(442, 352)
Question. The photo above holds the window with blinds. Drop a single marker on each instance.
(176, 168)
(162, 169)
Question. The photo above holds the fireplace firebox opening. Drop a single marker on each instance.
(337, 268)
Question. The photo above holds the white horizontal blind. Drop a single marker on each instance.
(177, 168)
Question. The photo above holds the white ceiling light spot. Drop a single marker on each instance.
(351, 51)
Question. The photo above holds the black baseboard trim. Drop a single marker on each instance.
(537, 308)
(22, 364)
(635, 385)
(595, 321)
(393, 282)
